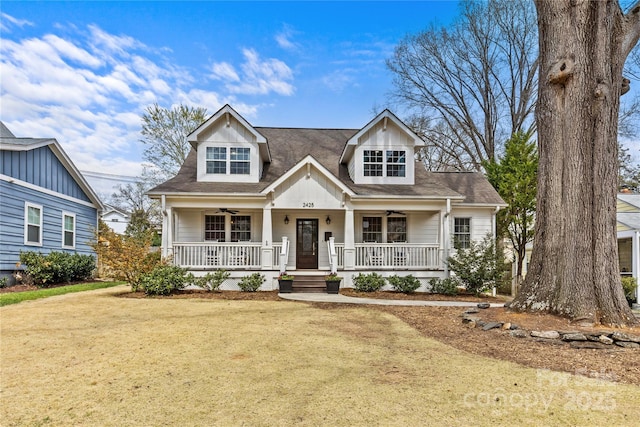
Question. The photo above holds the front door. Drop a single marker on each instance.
(307, 243)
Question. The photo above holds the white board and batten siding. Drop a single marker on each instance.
(234, 135)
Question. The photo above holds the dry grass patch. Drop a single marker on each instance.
(94, 359)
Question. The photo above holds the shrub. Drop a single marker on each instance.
(479, 267)
(446, 286)
(407, 284)
(251, 283)
(125, 257)
(630, 284)
(164, 279)
(57, 267)
(211, 281)
(3, 282)
(371, 282)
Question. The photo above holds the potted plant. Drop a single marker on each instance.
(285, 283)
(332, 281)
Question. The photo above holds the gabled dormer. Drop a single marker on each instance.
(229, 149)
(382, 152)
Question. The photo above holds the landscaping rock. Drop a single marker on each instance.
(519, 333)
(552, 335)
(619, 336)
(506, 326)
(605, 339)
(577, 336)
(627, 344)
(468, 319)
(491, 325)
(471, 311)
(514, 326)
(484, 305)
(587, 344)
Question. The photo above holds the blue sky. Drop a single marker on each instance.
(83, 72)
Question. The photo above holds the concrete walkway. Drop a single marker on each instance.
(343, 299)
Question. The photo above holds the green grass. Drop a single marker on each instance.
(16, 297)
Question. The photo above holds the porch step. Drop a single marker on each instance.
(308, 283)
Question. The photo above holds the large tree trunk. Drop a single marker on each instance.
(574, 267)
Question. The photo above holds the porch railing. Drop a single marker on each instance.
(398, 256)
(217, 255)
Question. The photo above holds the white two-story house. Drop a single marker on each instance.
(311, 201)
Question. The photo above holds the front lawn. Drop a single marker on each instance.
(16, 297)
(94, 359)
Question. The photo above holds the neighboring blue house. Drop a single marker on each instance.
(45, 202)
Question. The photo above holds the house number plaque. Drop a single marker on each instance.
(307, 204)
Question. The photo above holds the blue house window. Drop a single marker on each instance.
(32, 224)
(68, 230)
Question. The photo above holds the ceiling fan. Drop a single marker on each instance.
(395, 212)
(225, 210)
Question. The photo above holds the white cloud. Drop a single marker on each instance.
(7, 22)
(88, 91)
(257, 77)
(284, 38)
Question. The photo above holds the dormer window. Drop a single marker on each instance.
(373, 162)
(237, 162)
(394, 163)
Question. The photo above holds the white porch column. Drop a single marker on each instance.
(267, 238)
(349, 240)
(168, 232)
(446, 236)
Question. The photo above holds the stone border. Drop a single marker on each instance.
(576, 339)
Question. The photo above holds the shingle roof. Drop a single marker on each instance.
(289, 146)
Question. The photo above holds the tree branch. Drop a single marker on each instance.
(631, 28)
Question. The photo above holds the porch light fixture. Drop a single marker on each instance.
(328, 220)
(286, 219)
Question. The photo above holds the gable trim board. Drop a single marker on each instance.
(24, 184)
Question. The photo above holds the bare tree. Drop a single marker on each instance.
(472, 85)
(132, 198)
(165, 131)
(574, 268)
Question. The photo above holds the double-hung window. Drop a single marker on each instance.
(461, 233)
(32, 224)
(214, 228)
(240, 228)
(396, 163)
(217, 160)
(372, 162)
(233, 161)
(240, 164)
(68, 230)
(396, 229)
(372, 229)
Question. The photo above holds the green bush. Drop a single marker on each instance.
(57, 267)
(371, 282)
(251, 283)
(630, 284)
(446, 286)
(479, 267)
(407, 284)
(211, 281)
(164, 279)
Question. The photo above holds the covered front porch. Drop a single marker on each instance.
(249, 256)
(306, 240)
